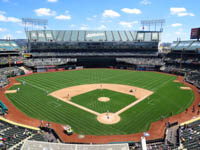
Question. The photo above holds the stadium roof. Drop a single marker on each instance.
(185, 45)
(9, 46)
(35, 145)
(92, 36)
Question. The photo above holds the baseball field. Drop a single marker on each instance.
(79, 97)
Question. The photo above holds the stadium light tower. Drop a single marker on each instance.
(34, 22)
(154, 23)
(143, 140)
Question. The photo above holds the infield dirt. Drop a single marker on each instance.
(67, 93)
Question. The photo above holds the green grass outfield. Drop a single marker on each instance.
(167, 99)
(117, 100)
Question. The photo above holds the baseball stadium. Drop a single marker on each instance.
(99, 89)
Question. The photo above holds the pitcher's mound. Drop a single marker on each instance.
(108, 118)
(103, 99)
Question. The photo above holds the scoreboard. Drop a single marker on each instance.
(195, 33)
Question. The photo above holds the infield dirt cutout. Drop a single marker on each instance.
(185, 88)
(10, 91)
(176, 81)
(105, 118)
(17, 83)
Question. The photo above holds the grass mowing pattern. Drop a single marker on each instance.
(90, 100)
(167, 99)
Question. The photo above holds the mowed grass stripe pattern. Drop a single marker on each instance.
(168, 99)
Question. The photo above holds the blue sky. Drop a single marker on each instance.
(180, 15)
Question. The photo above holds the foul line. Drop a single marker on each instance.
(132, 104)
(105, 86)
(81, 107)
(32, 85)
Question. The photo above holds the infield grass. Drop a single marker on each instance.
(167, 99)
(117, 100)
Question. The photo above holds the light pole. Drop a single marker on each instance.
(143, 140)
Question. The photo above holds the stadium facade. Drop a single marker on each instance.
(92, 48)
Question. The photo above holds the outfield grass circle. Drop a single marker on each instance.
(103, 99)
(166, 100)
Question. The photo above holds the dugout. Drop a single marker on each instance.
(4, 109)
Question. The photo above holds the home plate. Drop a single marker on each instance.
(108, 118)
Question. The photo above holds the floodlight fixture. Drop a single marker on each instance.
(34, 22)
(154, 23)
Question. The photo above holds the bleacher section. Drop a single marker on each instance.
(9, 46)
(91, 43)
(13, 136)
(5, 73)
(190, 135)
(91, 36)
(193, 77)
(10, 55)
(68, 49)
(33, 145)
(13, 60)
(47, 61)
(149, 61)
(187, 46)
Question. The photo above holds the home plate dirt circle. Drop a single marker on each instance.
(103, 99)
(108, 118)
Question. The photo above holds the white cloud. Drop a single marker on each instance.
(110, 13)
(2, 12)
(185, 14)
(106, 21)
(128, 24)
(9, 19)
(13, 19)
(177, 10)
(131, 11)
(177, 33)
(52, 1)
(63, 17)
(102, 27)
(89, 19)
(176, 25)
(84, 27)
(72, 25)
(180, 12)
(5, 1)
(44, 12)
(145, 2)
(3, 18)
(3, 29)
(19, 32)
